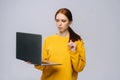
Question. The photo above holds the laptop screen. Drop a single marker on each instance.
(28, 47)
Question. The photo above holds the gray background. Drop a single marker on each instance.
(97, 21)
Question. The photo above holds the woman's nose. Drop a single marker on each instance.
(60, 23)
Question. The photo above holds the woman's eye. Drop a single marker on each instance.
(63, 20)
(57, 20)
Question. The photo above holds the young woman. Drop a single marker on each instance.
(65, 47)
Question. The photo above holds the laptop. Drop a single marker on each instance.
(29, 48)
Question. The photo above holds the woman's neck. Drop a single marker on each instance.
(64, 34)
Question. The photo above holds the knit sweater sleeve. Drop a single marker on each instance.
(78, 58)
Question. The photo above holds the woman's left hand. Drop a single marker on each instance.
(72, 45)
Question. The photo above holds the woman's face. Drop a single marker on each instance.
(62, 22)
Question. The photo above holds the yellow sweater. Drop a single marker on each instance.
(55, 49)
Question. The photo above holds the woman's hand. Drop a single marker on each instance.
(72, 46)
(32, 63)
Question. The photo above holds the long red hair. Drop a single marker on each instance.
(73, 36)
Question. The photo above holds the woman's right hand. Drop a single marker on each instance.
(32, 63)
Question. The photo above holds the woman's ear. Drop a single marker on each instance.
(70, 23)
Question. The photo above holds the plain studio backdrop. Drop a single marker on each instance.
(97, 21)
